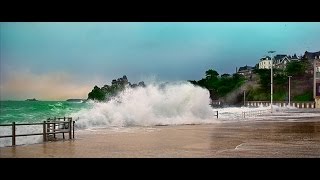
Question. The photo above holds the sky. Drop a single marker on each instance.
(62, 60)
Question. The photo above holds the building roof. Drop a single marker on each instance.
(265, 58)
(245, 68)
(279, 56)
(294, 57)
(311, 55)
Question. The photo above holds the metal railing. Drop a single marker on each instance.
(298, 104)
(254, 113)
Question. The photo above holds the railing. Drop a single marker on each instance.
(298, 104)
(50, 127)
(255, 113)
(216, 103)
(217, 114)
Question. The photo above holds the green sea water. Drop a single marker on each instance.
(36, 111)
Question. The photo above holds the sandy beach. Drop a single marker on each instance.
(266, 139)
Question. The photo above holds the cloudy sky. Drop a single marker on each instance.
(61, 60)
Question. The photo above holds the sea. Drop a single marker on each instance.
(176, 103)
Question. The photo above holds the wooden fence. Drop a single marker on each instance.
(51, 127)
(217, 114)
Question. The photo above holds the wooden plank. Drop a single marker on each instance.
(28, 124)
(56, 122)
(57, 132)
(6, 136)
(33, 134)
(5, 124)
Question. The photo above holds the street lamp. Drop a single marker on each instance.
(244, 98)
(289, 90)
(271, 52)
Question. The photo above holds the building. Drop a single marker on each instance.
(265, 63)
(314, 59)
(280, 61)
(246, 71)
(311, 55)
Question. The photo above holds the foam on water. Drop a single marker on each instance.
(177, 103)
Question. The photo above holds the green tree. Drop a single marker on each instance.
(211, 74)
(264, 80)
(225, 75)
(97, 94)
(219, 86)
(296, 68)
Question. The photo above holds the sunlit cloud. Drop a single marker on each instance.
(51, 86)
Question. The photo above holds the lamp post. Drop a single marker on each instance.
(314, 78)
(289, 90)
(271, 52)
(244, 98)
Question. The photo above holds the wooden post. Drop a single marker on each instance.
(64, 119)
(48, 125)
(73, 130)
(54, 130)
(13, 133)
(44, 132)
(70, 128)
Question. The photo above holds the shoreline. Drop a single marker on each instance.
(253, 139)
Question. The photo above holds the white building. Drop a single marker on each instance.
(265, 63)
(280, 61)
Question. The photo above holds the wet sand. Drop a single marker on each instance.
(266, 139)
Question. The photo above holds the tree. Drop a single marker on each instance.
(225, 75)
(264, 81)
(219, 86)
(97, 94)
(211, 74)
(107, 92)
(296, 68)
